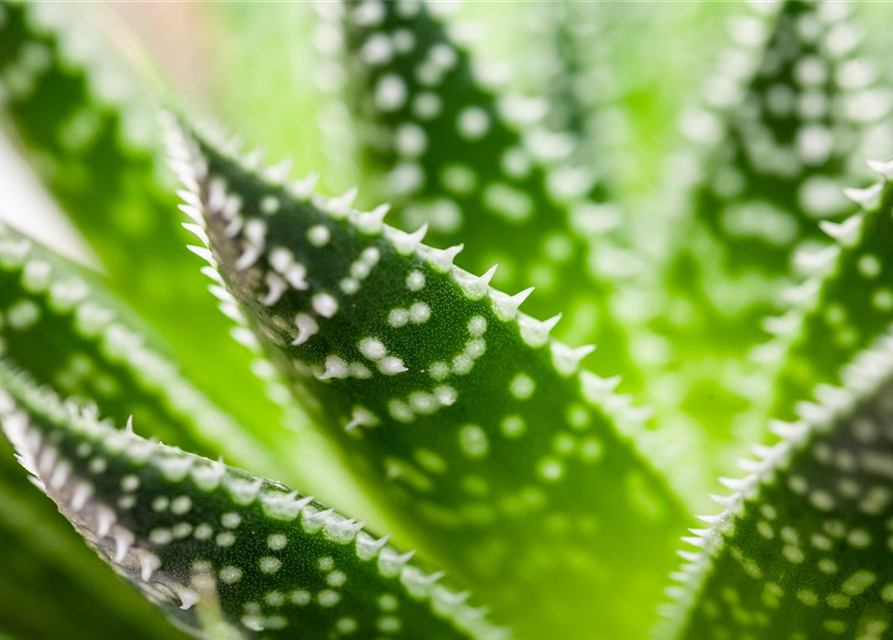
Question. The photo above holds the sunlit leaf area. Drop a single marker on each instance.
(430, 320)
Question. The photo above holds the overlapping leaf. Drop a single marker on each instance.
(786, 119)
(840, 308)
(475, 428)
(224, 554)
(803, 547)
(474, 164)
(92, 135)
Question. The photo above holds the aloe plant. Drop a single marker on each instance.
(542, 495)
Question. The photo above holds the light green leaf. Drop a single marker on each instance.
(840, 309)
(57, 324)
(780, 139)
(475, 429)
(91, 133)
(802, 549)
(224, 554)
(44, 561)
(475, 164)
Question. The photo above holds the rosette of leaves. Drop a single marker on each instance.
(453, 435)
(482, 437)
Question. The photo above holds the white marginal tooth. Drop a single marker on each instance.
(283, 506)
(736, 484)
(105, 519)
(868, 198)
(536, 333)
(693, 541)
(344, 531)
(847, 232)
(372, 222)
(190, 198)
(315, 521)
(124, 539)
(390, 564)
(442, 260)
(278, 173)
(566, 359)
(253, 159)
(727, 502)
(505, 306)
(213, 274)
(149, 564)
(710, 519)
(341, 206)
(203, 253)
(474, 287)
(303, 189)
(883, 168)
(816, 262)
(406, 243)
(192, 212)
(691, 556)
(198, 232)
(750, 466)
(368, 547)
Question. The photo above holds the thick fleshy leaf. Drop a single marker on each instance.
(477, 431)
(44, 561)
(803, 547)
(91, 133)
(781, 137)
(473, 162)
(58, 324)
(224, 554)
(841, 308)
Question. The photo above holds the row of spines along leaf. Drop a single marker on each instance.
(810, 300)
(59, 289)
(520, 114)
(31, 413)
(627, 418)
(862, 378)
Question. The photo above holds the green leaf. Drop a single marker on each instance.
(802, 549)
(781, 137)
(475, 429)
(841, 308)
(58, 324)
(472, 162)
(224, 554)
(91, 133)
(44, 561)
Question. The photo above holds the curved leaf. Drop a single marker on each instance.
(44, 561)
(91, 134)
(224, 554)
(780, 136)
(58, 325)
(841, 307)
(477, 431)
(474, 164)
(803, 547)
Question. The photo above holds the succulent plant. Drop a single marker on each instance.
(387, 376)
